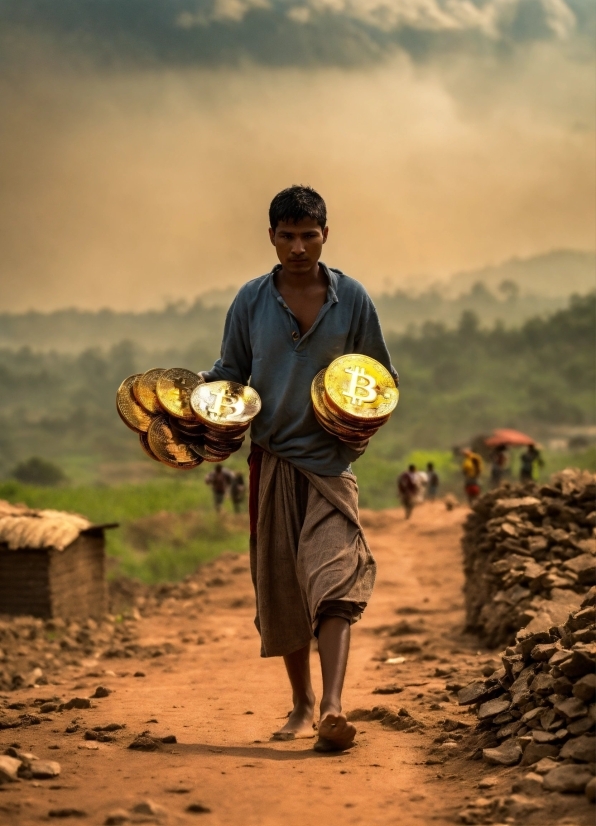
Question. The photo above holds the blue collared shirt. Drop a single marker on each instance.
(262, 345)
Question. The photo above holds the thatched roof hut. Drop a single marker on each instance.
(52, 563)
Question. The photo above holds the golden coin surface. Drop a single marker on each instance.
(144, 390)
(168, 447)
(208, 454)
(360, 388)
(145, 445)
(362, 425)
(130, 411)
(227, 431)
(173, 389)
(195, 430)
(349, 437)
(223, 444)
(222, 404)
(331, 421)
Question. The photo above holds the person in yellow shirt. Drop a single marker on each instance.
(472, 467)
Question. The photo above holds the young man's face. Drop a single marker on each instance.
(299, 245)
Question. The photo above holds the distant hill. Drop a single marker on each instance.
(509, 294)
(555, 274)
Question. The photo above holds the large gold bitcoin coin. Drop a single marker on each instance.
(144, 390)
(223, 404)
(359, 388)
(173, 389)
(145, 445)
(342, 428)
(129, 410)
(168, 447)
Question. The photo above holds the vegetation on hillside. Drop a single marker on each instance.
(455, 383)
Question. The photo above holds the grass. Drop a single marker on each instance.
(170, 554)
(168, 526)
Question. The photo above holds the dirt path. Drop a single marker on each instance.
(222, 701)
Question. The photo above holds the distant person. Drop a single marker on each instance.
(528, 459)
(499, 465)
(407, 489)
(421, 479)
(220, 480)
(238, 491)
(432, 483)
(471, 468)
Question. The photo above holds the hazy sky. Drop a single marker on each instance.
(142, 140)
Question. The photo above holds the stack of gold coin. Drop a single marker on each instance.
(157, 405)
(225, 410)
(353, 397)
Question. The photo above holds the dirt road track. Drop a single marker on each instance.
(222, 701)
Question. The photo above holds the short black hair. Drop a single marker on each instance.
(296, 203)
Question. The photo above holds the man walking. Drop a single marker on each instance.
(528, 459)
(433, 482)
(311, 566)
(408, 489)
(238, 492)
(471, 469)
(219, 479)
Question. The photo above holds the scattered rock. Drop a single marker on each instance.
(117, 817)
(145, 743)
(101, 691)
(508, 754)
(537, 751)
(388, 689)
(44, 769)
(148, 807)
(530, 784)
(492, 708)
(198, 809)
(581, 750)
(76, 702)
(9, 767)
(488, 782)
(401, 720)
(567, 779)
(66, 812)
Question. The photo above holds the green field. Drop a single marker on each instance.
(168, 526)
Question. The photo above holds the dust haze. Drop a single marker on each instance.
(129, 187)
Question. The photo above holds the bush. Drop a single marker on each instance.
(36, 471)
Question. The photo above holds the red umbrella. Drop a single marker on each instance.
(508, 437)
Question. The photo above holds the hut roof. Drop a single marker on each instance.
(23, 527)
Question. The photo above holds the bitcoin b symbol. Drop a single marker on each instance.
(224, 402)
(360, 382)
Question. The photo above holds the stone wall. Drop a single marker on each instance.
(529, 555)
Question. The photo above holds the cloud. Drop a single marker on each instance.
(290, 32)
(142, 140)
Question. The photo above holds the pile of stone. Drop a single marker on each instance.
(529, 555)
(539, 708)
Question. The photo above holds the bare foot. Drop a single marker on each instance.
(335, 733)
(300, 724)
